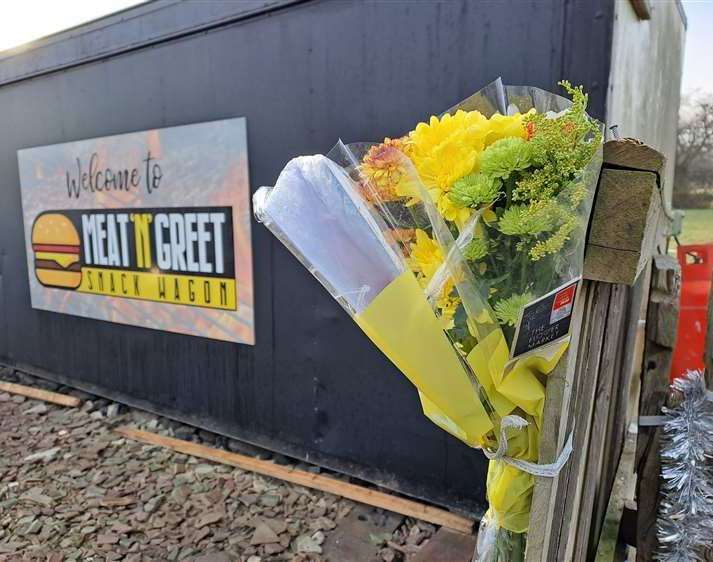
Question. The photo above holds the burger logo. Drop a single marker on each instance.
(56, 242)
(175, 255)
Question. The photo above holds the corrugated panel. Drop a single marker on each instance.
(133, 28)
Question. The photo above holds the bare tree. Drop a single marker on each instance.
(694, 153)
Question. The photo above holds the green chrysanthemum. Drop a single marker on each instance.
(476, 249)
(475, 190)
(504, 157)
(508, 310)
(526, 220)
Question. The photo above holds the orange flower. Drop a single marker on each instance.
(529, 130)
(384, 172)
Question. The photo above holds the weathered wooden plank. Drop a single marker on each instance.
(561, 411)
(611, 265)
(662, 320)
(557, 420)
(622, 209)
(648, 466)
(642, 8)
(622, 411)
(625, 219)
(608, 544)
(39, 394)
(307, 479)
(569, 496)
(610, 384)
(632, 154)
(627, 212)
(665, 289)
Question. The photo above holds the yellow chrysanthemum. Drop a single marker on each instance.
(426, 136)
(441, 165)
(489, 216)
(444, 150)
(503, 126)
(448, 148)
(426, 255)
(447, 304)
(449, 210)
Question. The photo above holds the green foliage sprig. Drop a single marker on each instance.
(560, 147)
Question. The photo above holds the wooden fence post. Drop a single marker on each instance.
(594, 392)
(660, 340)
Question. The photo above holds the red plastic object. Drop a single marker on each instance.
(696, 270)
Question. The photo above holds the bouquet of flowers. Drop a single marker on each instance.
(457, 249)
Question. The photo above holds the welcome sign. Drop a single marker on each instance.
(150, 229)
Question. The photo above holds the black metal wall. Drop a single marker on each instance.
(304, 74)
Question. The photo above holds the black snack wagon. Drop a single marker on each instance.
(302, 73)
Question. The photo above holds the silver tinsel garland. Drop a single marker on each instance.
(685, 518)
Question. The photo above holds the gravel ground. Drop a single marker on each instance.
(72, 489)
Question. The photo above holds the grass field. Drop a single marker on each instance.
(697, 226)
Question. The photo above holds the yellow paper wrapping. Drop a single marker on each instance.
(509, 489)
(509, 385)
(488, 359)
(402, 324)
(517, 383)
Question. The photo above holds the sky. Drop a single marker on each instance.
(25, 20)
(698, 62)
(20, 24)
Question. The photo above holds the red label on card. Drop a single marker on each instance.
(562, 305)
